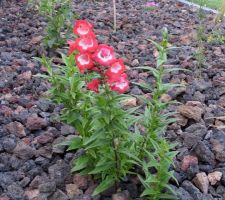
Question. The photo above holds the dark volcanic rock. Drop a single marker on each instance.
(218, 144)
(204, 153)
(59, 195)
(15, 192)
(24, 151)
(194, 192)
(59, 172)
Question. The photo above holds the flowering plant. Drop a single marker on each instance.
(103, 124)
(58, 15)
(92, 94)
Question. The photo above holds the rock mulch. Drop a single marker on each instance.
(32, 167)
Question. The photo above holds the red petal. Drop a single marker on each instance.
(93, 85)
(84, 61)
(82, 27)
(72, 46)
(116, 69)
(104, 55)
(119, 84)
(87, 43)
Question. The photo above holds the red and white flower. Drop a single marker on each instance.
(104, 55)
(119, 84)
(87, 43)
(72, 46)
(94, 85)
(82, 28)
(116, 69)
(84, 62)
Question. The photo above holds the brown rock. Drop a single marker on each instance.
(45, 151)
(36, 182)
(73, 190)
(165, 98)
(192, 110)
(23, 151)
(31, 65)
(121, 196)
(217, 51)
(218, 149)
(4, 197)
(35, 123)
(214, 177)
(16, 128)
(181, 120)
(19, 109)
(188, 161)
(6, 111)
(81, 181)
(130, 102)
(121, 45)
(201, 181)
(135, 63)
(22, 78)
(35, 40)
(32, 194)
(44, 138)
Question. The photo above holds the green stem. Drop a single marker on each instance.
(116, 161)
(155, 111)
(114, 144)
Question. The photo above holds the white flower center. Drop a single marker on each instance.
(83, 59)
(116, 68)
(121, 85)
(86, 43)
(83, 30)
(105, 55)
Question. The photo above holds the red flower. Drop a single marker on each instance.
(104, 55)
(93, 85)
(82, 28)
(119, 84)
(116, 69)
(87, 43)
(84, 61)
(72, 46)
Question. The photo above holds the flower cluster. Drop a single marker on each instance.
(100, 58)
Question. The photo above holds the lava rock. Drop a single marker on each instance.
(9, 144)
(59, 172)
(15, 192)
(218, 143)
(16, 128)
(36, 123)
(48, 187)
(194, 192)
(214, 177)
(204, 154)
(202, 182)
(23, 151)
(191, 110)
(59, 195)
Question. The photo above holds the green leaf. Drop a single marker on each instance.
(105, 184)
(148, 192)
(75, 143)
(167, 196)
(80, 163)
(143, 85)
(102, 168)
